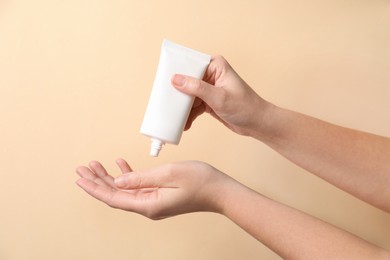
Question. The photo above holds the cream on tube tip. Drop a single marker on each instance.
(168, 109)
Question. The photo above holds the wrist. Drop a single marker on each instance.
(266, 125)
(229, 194)
(214, 189)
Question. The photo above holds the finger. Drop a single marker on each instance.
(195, 112)
(86, 173)
(123, 165)
(102, 193)
(98, 169)
(101, 172)
(197, 102)
(196, 87)
(137, 180)
(112, 197)
(81, 170)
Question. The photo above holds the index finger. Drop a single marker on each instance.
(123, 165)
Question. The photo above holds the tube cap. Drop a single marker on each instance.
(155, 147)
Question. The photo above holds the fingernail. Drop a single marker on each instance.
(120, 181)
(179, 80)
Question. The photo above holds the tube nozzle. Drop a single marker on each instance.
(155, 147)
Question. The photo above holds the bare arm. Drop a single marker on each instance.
(354, 161)
(186, 187)
(293, 234)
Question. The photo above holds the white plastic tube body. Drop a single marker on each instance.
(168, 108)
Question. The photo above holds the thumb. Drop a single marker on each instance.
(137, 180)
(196, 87)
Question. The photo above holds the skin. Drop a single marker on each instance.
(351, 160)
(354, 161)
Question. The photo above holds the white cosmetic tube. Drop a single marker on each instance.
(168, 109)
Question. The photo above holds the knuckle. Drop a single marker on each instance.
(113, 206)
(220, 60)
(195, 84)
(152, 214)
(221, 102)
(154, 217)
(136, 183)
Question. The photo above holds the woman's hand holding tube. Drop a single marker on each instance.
(226, 96)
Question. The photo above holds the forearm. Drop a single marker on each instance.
(293, 234)
(354, 161)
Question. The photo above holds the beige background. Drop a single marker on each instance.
(75, 77)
